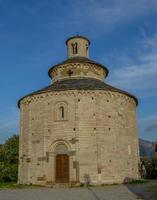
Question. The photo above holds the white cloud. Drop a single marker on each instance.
(150, 118)
(142, 75)
(107, 15)
(9, 123)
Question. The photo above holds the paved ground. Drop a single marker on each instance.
(119, 192)
(146, 191)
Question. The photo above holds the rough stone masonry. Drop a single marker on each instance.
(78, 129)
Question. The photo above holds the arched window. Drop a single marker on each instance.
(74, 48)
(87, 47)
(61, 111)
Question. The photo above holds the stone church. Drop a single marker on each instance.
(78, 129)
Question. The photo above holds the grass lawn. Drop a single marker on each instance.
(138, 181)
(7, 184)
(14, 185)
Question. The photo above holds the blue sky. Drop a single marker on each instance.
(123, 37)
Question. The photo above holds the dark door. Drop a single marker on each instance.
(62, 168)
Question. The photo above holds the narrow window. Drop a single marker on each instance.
(74, 47)
(61, 109)
(87, 47)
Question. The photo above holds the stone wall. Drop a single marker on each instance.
(77, 70)
(82, 47)
(99, 131)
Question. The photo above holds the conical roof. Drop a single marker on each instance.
(79, 84)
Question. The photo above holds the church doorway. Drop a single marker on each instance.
(62, 168)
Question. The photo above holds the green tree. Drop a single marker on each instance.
(9, 159)
(11, 148)
(151, 167)
(1, 153)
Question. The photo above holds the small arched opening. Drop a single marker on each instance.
(74, 48)
(61, 110)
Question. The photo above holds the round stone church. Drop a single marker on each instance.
(78, 129)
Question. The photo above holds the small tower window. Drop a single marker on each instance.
(61, 110)
(74, 48)
(87, 47)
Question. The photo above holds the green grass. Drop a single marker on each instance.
(7, 185)
(14, 185)
(138, 181)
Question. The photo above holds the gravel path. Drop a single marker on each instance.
(119, 192)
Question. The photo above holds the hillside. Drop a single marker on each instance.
(146, 147)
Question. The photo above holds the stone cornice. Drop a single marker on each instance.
(78, 70)
(110, 96)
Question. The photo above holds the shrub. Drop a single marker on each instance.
(9, 159)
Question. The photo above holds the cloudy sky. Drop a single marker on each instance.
(123, 36)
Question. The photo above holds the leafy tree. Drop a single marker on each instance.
(11, 148)
(9, 159)
(1, 153)
(151, 167)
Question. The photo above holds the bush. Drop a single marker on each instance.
(151, 167)
(9, 159)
